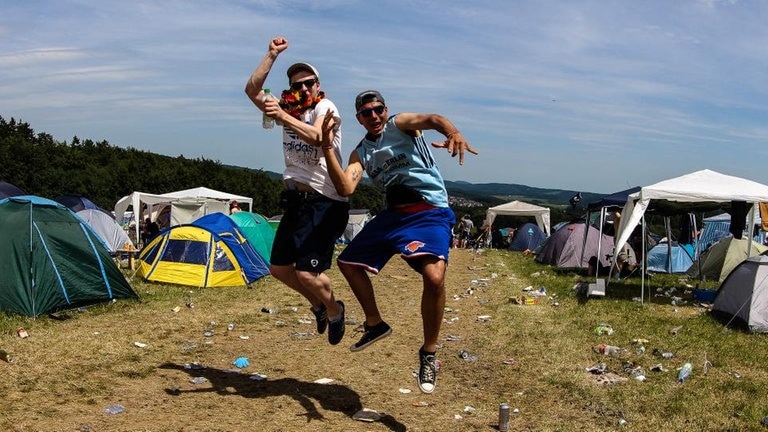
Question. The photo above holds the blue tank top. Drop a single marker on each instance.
(396, 158)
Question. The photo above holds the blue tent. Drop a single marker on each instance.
(528, 237)
(9, 190)
(77, 203)
(670, 258)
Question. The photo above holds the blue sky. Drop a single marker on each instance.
(596, 96)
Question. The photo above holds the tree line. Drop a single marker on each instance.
(103, 173)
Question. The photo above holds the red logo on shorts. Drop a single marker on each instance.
(414, 246)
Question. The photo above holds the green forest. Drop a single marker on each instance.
(43, 166)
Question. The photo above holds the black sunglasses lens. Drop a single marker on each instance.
(368, 112)
(298, 85)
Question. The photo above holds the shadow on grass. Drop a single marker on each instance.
(331, 397)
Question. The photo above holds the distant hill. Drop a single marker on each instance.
(504, 192)
(497, 193)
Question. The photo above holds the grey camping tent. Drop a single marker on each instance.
(743, 298)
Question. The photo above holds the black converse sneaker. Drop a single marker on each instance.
(321, 318)
(427, 371)
(371, 335)
(336, 327)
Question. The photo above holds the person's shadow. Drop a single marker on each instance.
(332, 397)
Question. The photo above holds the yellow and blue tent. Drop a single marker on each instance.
(209, 252)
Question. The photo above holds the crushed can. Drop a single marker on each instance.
(6, 356)
(22, 333)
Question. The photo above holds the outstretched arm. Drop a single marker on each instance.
(253, 88)
(454, 143)
(345, 181)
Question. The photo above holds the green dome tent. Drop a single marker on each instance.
(50, 259)
(257, 230)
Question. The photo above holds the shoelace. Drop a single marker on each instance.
(428, 372)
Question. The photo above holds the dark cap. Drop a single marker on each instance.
(366, 97)
(302, 66)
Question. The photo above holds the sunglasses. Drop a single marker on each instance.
(368, 112)
(299, 84)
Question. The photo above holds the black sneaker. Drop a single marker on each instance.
(371, 335)
(321, 318)
(336, 328)
(427, 372)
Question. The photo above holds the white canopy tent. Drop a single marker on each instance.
(186, 205)
(696, 187)
(519, 208)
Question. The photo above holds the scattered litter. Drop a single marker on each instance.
(244, 337)
(199, 380)
(640, 341)
(140, 345)
(658, 368)
(366, 415)
(114, 409)
(635, 371)
(176, 309)
(241, 362)
(510, 361)
(305, 321)
(301, 335)
(323, 381)
(707, 364)
(279, 323)
(230, 326)
(605, 349)
(457, 417)
(469, 409)
(622, 422)
(663, 354)
(189, 346)
(735, 375)
(528, 288)
(257, 377)
(467, 357)
(604, 328)
(597, 368)
(675, 330)
(193, 366)
(419, 403)
(453, 338)
(609, 378)
(483, 318)
(22, 333)
(404, 390)
(208, 333)
(267, 310)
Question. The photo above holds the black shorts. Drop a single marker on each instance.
(308, 230)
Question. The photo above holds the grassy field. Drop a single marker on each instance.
(70, 370)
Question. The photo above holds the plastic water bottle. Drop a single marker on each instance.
(685, 372)
(266, 121)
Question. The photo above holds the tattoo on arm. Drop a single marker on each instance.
(355, 174)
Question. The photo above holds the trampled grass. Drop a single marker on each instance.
(533, 356)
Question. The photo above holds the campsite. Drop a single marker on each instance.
(109, 348)
(534, 357)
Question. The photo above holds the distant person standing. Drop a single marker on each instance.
(234, 207)
(315, 215)
(465, 230)
(416, 223)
